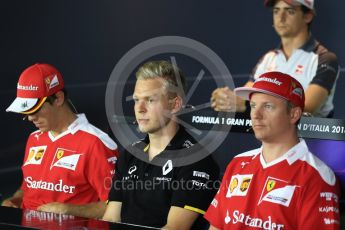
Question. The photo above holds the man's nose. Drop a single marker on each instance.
(256, 113)
(141, 106)
(31, 117)
(282, 16)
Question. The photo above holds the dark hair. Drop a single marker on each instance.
(50, 99)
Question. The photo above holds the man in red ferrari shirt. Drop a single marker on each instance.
(281, 185)
(67, 160)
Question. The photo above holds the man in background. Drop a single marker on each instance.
(298, 55)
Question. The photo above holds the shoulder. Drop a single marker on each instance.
(319, 168)
(36, 136)
(325, 56)
(186, 139)
(37, 133)
(268, 55)
(249, 154)
(98, 135)
(243, 158)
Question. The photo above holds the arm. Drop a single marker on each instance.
(315, 96)
(213, 228)
(180, 218)
(189, 204)
(322, 84)
(224, 99)
(15, 201)
(113, 212)
(91, 210)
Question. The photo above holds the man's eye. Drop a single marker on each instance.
(252, 106)
(268, 106)
(291, 11)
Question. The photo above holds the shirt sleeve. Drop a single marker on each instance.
(319, 206)
(197, 184)
(101, 168)
(327, 71)
(214, 213)
(116, 190)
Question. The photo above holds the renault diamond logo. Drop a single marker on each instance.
(167, 167)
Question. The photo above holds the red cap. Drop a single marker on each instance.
(307, 3)
(35, 84)
(276, 84)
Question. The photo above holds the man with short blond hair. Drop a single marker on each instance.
(153, 184)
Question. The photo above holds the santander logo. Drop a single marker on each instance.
(45, 185)
(25, 87)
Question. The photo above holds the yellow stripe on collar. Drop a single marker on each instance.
(147, 148)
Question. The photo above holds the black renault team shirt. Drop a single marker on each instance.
(148, 190)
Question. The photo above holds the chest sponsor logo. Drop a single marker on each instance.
(187, 144)
(299, 69)
(36, 155)
(201, 174)
(131, 175)
(329, 196)
(227, 218)
(50, 186)
(167, 167)
(328, 209)
(65, 158)
(239, 185)
(270, 185)
(248, 220)
(277, 191)
(132, 169)
(329, 221)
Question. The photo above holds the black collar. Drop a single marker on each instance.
(309, 46)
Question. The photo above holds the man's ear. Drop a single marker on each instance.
(176, 104)
(295, 114)
(308, 17)
(60, 98)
